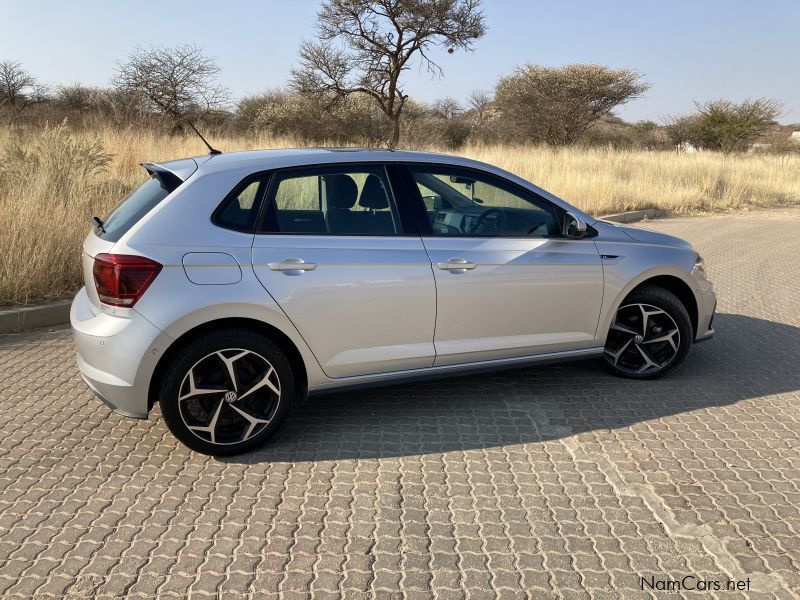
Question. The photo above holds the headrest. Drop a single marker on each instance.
(341, 191)
(373, 194)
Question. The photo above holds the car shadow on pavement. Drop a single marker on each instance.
(748, 358)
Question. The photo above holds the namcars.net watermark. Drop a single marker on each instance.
(692, 583)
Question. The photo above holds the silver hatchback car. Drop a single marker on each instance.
(226, 287)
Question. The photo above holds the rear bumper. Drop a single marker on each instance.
(105, 392)
(117, 354)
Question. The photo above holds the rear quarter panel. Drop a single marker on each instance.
(182, 226)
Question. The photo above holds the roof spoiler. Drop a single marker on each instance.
(173, 173)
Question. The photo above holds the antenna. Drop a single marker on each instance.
(211, 151)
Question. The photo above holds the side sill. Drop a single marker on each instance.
(399, 377)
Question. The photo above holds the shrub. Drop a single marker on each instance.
(557, 105)
(725, 126)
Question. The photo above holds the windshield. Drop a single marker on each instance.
(136, 205)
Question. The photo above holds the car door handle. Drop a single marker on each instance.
(292, 266)
(456, 265)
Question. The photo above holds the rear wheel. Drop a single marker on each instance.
(227, 392)
(650, 335)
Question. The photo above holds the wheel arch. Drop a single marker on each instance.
(284, 342)
(672, 279)
(680, 288)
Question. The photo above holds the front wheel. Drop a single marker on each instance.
(650, 335)
(227, 392)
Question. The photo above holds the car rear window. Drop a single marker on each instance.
(136, 205)
(239, 209)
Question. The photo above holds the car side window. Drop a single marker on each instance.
(239, 210)
(466, 203)
(332, 200)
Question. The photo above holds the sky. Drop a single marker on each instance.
(687, 51)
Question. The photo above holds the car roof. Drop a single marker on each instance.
(296, 157)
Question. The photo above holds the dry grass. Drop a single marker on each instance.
(603, 181)
(52, 181)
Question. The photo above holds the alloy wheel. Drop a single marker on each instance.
(229, 396)
(643, 339)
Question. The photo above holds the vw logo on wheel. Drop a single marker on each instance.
(230, 397)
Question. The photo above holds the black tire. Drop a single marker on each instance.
(251, 355)
(621, 359)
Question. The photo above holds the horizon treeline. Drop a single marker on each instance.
(348, 88)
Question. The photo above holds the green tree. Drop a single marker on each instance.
(682, 130)
(558, 104)
(726, 126)
(644, 127)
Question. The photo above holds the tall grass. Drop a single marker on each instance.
(53, 180)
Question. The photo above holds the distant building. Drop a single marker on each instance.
(688, 148)
(759, 147)
(795, 137)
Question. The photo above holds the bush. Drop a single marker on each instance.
(725, 126)
(279, 112)
(78, 97)
(557, 105)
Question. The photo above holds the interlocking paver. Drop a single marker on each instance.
(549, 482)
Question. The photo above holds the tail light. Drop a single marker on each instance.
(121, 279)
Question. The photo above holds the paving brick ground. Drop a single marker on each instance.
(547, 482)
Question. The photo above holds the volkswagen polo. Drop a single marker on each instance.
(227, 287)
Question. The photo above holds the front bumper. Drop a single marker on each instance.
(117, 354)
(706, 308)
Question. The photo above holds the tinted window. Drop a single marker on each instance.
(136, 205)
(463, 202)
(298, 193)
(332, 200)
(239, 210)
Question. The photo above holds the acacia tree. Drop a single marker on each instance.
(726, 126)
(78, 97)
(365, 46)
(446, 108)
(479, 101)
(177, 82)
(17, 86)
(682, 130)
(558, 104)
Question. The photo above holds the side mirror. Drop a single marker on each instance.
(574, 226)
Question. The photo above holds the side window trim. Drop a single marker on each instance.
(403, 198)
(267, 222)
(262, 178)
(420, 213)
(416, 206)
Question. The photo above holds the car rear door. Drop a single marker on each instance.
(351, 274)
(508, 284)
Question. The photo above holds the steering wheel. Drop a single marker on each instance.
(498, 220)
(537, 226)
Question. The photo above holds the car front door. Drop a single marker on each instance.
(508, 283)
(333, 252)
